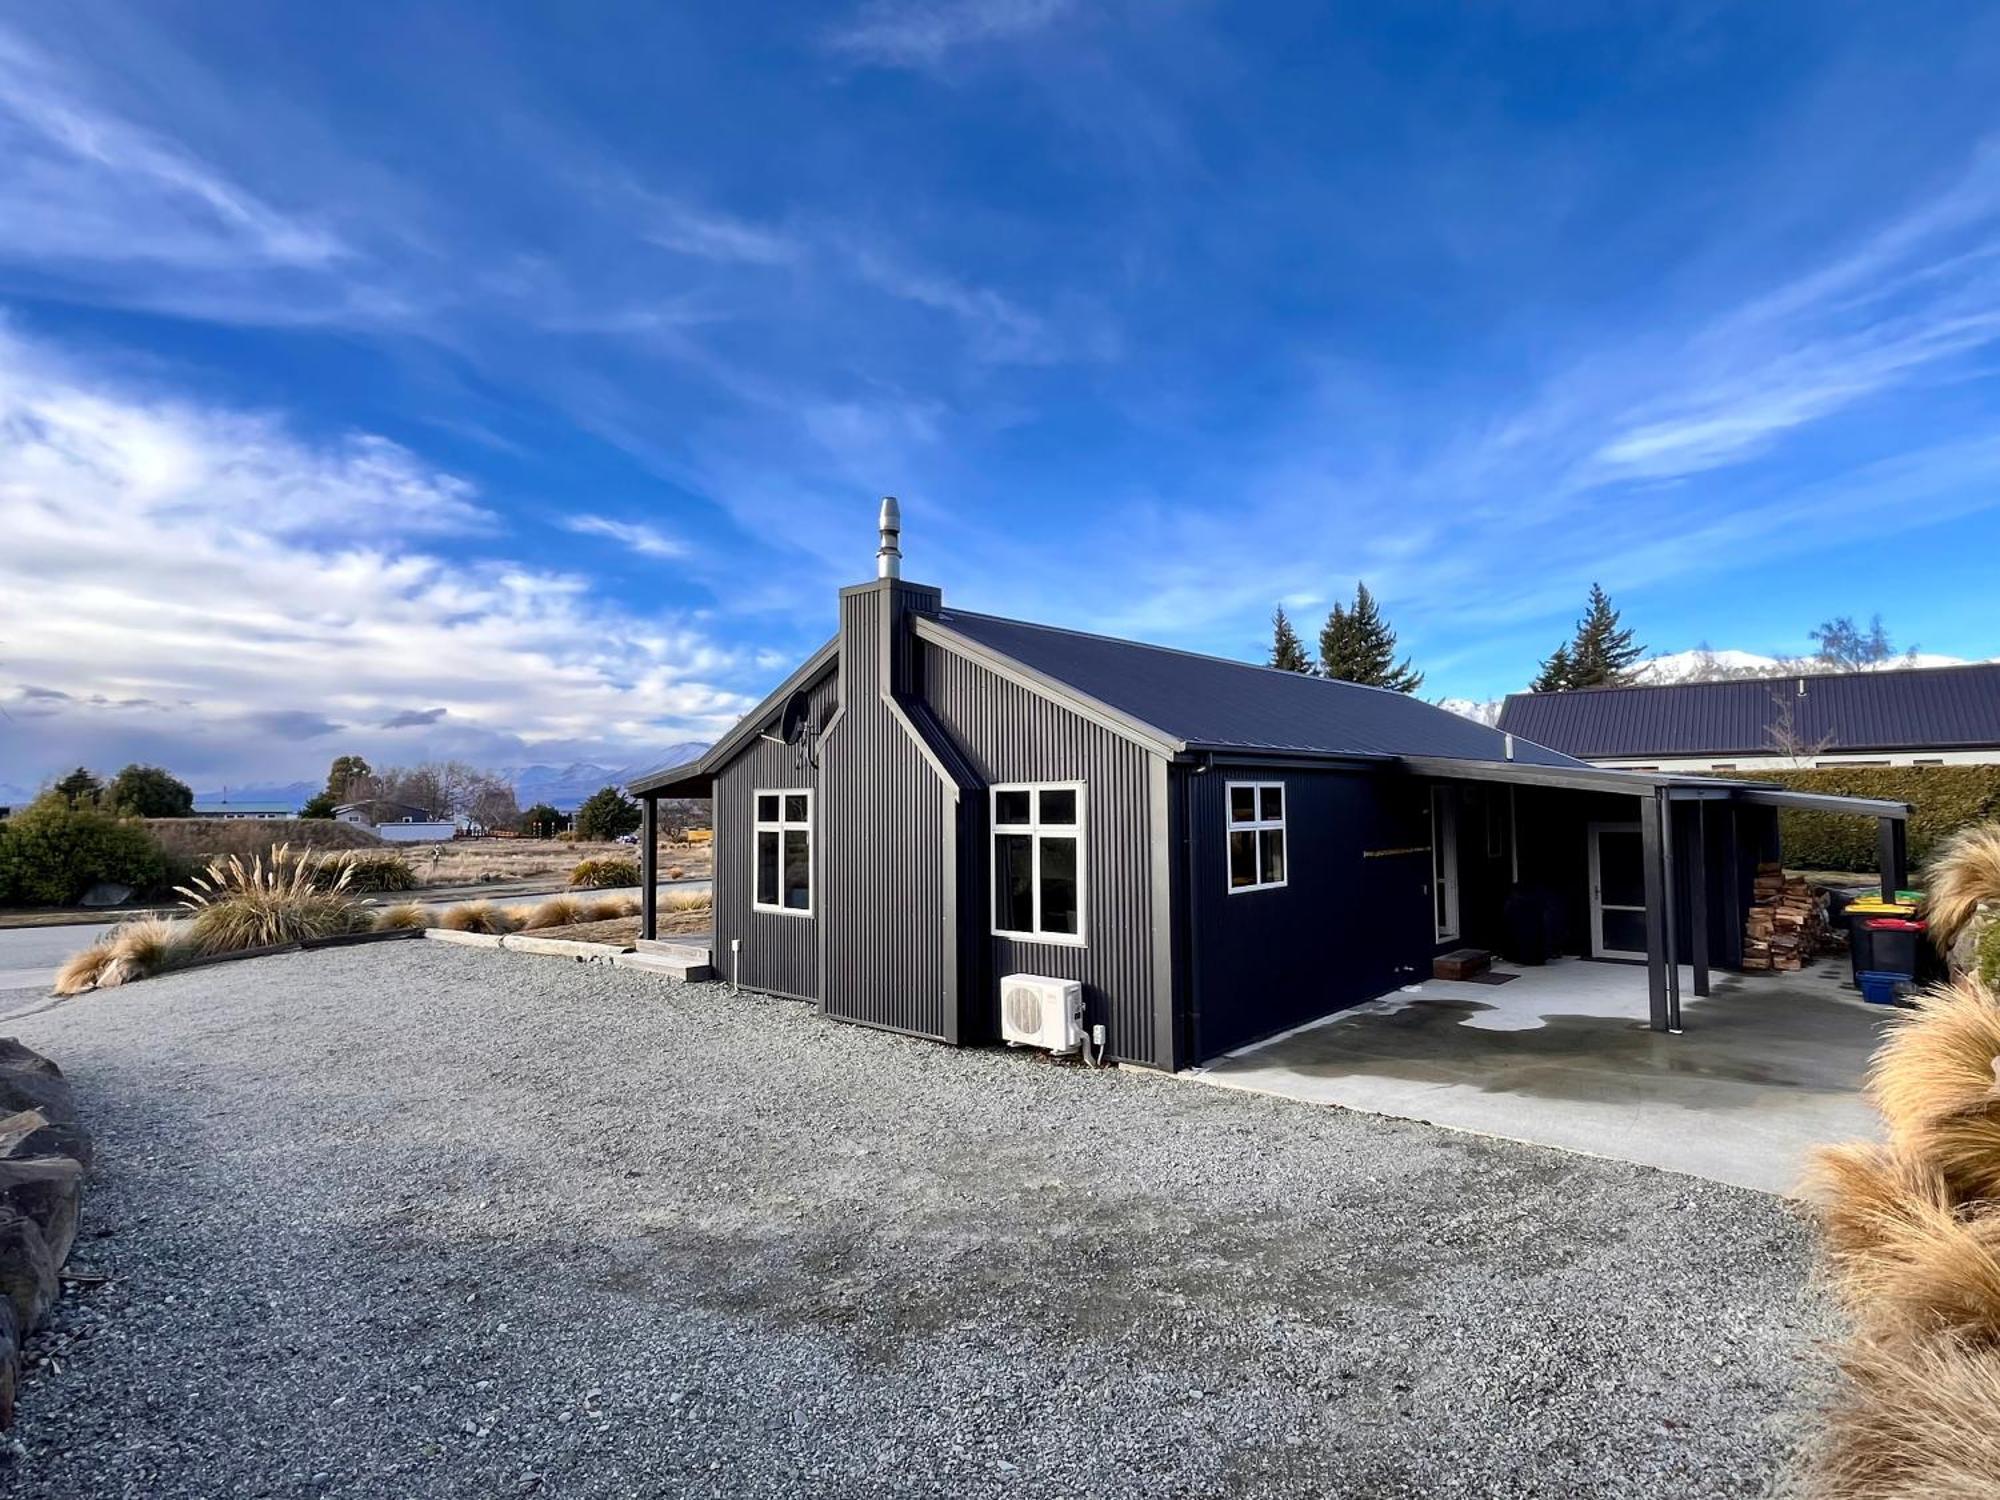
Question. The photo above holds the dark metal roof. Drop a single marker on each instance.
(1209, 703)
(695, 777)
(1923, 708)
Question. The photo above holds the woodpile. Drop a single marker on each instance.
(1786, 921)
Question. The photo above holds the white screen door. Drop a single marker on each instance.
(1617, 891)
(1444, 863)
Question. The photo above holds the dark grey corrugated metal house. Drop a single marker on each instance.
(1912, 716)
(1216, 851)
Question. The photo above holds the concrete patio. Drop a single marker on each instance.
(1767, 1066)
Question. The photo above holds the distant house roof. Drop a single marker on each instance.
(216, 806)
(381, 811)
(1925, 708)
(1211, 703)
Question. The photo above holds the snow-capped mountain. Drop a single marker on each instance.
(563, 787)
(1487, 713)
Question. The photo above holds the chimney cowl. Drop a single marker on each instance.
(889, 556)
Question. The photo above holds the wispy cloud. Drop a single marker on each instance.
(714, 236)
(648, 541)
(284, 638)
(923, 33)
(82, 182)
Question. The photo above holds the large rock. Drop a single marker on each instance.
(30, 1081)
(28, 1270)
(49, 1190)
(32, 1133)
(43, 1149)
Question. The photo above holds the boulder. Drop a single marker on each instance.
(32, 1133)
(28, 1271)
(10, 1361)
(30, 1081)
(107, 893)
(48, 1190)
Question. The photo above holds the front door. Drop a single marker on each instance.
(1617, 891)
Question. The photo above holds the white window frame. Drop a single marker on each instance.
(1257, 825)
(1036, 831)
(760, 825)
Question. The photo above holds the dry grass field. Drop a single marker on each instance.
(209, 838)
(518, 861)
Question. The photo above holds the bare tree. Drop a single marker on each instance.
(1783, 730)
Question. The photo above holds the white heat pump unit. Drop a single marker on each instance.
(1036, 1011)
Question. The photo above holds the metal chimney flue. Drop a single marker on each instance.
(889, 556)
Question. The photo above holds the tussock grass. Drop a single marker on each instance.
(609, 908)
(1912, 1422)
(1865, 1192)
(369, 870)
(81, 970)
(258, 905)
(1934, 1081)
(557, 911)
(1964, 872)
(688, 901)
(604, 870)
(404, 916)
(472, 916)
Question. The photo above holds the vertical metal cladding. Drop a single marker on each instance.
(1352, 921)
(780, 953)
(888, 957)
(1010, 733)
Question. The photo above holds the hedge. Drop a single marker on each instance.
(1944, 798)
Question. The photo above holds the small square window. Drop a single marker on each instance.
(1243, 804)
(795, 809)
(1256, 835)
(1273, 798)
(1013, 807)
(767, 807)
(1059, 806)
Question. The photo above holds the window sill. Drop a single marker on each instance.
(779, 911)
(1052, 939)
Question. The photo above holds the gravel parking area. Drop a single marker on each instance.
(415, 1219)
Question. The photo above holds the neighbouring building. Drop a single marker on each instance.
(222, 807)
(937, 802)
(1916, 716)
(397, 822)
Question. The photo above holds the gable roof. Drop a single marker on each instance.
(692, 778)
(1919, 708)
(1210, 703)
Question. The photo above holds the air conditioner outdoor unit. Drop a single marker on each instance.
(1036, 1011)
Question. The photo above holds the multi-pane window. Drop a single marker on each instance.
(784, 853)
(1038, 862)
(1256, 835)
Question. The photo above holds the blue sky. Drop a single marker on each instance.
(518, 381)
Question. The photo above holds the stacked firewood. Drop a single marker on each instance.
(1786, 920)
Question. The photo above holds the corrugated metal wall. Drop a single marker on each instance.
(888, 954)
(780, 953)
(1009, 733)
(1353, 920)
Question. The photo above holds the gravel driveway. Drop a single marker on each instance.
(413, 1219)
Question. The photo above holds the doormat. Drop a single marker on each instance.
(1489, 977)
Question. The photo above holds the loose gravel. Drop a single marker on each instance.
(413, 1219)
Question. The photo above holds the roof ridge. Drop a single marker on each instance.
(1871, 674)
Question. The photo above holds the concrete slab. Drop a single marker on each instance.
(1768, 1066)
(464, 939)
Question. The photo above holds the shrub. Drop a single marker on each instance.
(259, 905)
(557, 911)
(610, 908)
(610, 870)
(367, 871)
(54, 853)
(1944, 798)
(405, 916)
(688, 901)
(149, 792)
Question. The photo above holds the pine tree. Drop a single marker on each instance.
(1600, 654)
(1288, 652)
(1555, 674)
(80, 788)
(1603, 653)
(1357, 645)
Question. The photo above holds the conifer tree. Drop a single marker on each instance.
(1357, 645)
(1288, 652)
(1599, 654)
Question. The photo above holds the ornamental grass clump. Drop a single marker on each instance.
(81, 970)
(1912, 1248)
(609, 909)
(133, 950)
(473, 916)
(404, 916)
(557, 911)
(365, 871)
(262, 904)
(603, 872)
(1964, 872)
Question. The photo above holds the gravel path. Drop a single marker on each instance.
(413, 1219)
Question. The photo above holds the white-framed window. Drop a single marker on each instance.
(1256, 835)
(1038, 862)
(782, 850)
